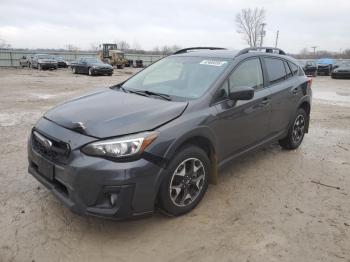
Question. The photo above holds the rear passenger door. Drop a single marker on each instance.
(242, 124)
(283, 88)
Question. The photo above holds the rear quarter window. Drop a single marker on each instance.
(296, 69)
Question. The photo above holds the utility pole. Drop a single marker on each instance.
(314, 48)
(262, 34)
(278, 31)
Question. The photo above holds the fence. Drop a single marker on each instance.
(10, 58)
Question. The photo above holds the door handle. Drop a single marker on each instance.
(265, 101)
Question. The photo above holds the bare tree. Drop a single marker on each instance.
(4, 45)
(165, 50)
(304, 52)
(94, 47)
(123, 45)
(71, 47)
(249, 22)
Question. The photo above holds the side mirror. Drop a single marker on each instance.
(242, 93)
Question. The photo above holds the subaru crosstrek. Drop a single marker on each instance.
(159, 138)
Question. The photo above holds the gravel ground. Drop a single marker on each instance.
(266, 206)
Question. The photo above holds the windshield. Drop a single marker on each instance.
(184, 77)
(93, 60)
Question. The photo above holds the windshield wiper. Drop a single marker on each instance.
(147, 93)
(151, 93)
(124, 89)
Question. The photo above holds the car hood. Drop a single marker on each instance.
(343, 68)
(111, 113)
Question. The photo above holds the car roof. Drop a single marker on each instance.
(230, 54)
(212, 53)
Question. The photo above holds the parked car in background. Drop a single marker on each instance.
(91, 66)
(24, 61)
(342, 71)
(158, 138)
(43, 61)
(309, 67)
(60, 61)
(325, 66)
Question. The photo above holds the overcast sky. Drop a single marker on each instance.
(150, 23)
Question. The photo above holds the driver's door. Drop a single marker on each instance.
(242, 124)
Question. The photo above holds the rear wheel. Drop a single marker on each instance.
(296, 131)
(186, 181)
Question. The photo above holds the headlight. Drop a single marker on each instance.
(127, 146)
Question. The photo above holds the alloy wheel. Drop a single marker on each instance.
(298, 129)
(187, 182)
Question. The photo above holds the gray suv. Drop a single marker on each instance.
(159, 138)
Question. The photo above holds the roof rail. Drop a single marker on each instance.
(257, 49)
(185, 50)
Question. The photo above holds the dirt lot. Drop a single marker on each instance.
(264, 208)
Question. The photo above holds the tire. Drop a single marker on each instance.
(90, 72)
(296, 131)
(181, 191)
(74, 70)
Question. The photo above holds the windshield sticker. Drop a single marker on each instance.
(213, 62)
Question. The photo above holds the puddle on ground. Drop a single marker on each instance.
(333, 98)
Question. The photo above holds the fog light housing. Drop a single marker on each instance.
(113, 199)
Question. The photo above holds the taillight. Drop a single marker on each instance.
(309, 82)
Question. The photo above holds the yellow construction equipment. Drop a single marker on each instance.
(111, 55)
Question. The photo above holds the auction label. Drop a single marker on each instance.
(213, 62)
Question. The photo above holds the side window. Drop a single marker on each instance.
(248, 73)
(275, 70)
(294, 68)
(289, 72)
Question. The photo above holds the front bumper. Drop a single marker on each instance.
(62, 64)
(48, 65)
(102, 71)
(310, 72)
(86, 184)
(323, 69)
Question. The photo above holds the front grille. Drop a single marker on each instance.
(49, 148)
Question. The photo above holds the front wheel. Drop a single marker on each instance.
(186, 181)
(296, 131)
